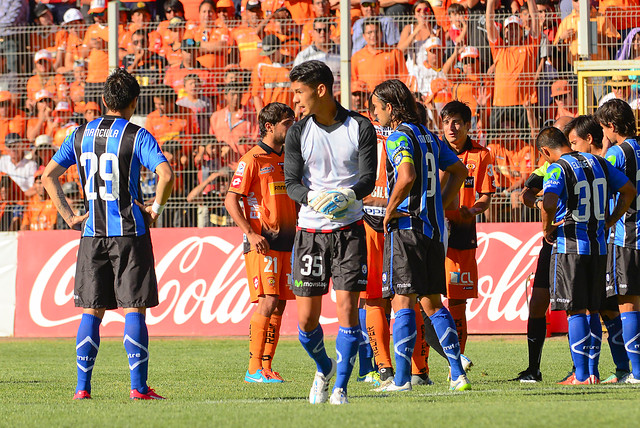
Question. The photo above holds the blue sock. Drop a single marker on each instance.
(365, 353)
(313, 343)
(631, 336)
(346, 349)
(136, 343)
(404, 339)
(616, 344)
(87, 344)
(595, 345)
(445, 328)
(579, 343)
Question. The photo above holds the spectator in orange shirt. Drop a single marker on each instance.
(140, 20)
(76, 90)
(69, 41)
(300, 10)
(390, 35)
(12, 119)
(172, 39)
(172, 9)
(377, 62)
(45, 77)
(41, 213)
(360, 97)
(247, 37)
(94, 51)
(46, 33)
(226, 13)
(565, 102)
(235, 125)
(43, 122)
(470, 87)
(10, 212)
(213, 37)
(270, 79)
(321, 9)
(281, 24)
(91, 111)
(175, 75)
(63, 124)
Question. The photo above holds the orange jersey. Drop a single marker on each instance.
(376, 202)
(178, 126)
(514, 78)
(501, 166)
(301, 10)
(523, 161)
(98, 66)
(233, 128)
(376, 67)
(270, 81)
(605, 28)
(51, 83)
(221, 35)
(174, 77)
(40, 215)
(271, 213)
(248, 44)
(17, 124)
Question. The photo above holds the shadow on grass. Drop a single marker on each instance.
(21, 381)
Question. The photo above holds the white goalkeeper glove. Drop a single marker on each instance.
(335, 203)
(317, 199)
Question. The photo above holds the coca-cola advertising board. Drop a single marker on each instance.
(8, 266)
(203, 287)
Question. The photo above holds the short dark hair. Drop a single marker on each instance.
(191, 76)
(120, 89)
(456, 8)
(323, 20)
(552, 138)
(175, 5)
(141, 32)
(403, 103)
(617, 113)
(283, 9)
(422, 113)
(313, 73)
(165, 92)
(584, 126)
(273, 113)
(371, 20)
(456, 107)
(211, 2)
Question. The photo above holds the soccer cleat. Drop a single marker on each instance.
(594, 380)
(371, 377)
(320, 388)
(569, 376)
(529, 376)
(82, 395)
(257, 377)
(616, 377)
(630, 379)
(460, 384)
(571, 380)
(150, 395)
(466, 362)
(338, 396)
(385, 373)
(271, 376)
(421, 379)
(392, 387)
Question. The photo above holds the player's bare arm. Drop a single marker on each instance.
(480, 206)
(51, 182)
(457, 173)
(529, 196)
(626, 196)
(404, 183)
(163, 191)
(257, 241)
(549, 206)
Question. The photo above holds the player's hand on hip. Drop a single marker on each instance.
(390, 216)
(258, 242)
(150, 217)
(75, 221)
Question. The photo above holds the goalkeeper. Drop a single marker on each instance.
(330, 165)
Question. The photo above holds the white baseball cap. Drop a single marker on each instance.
(432, 42)
(513, 19)
(469, 52)
(43, 54)
(72, 15)
(97, 6)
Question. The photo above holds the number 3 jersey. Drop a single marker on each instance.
(584, 184)
(271, 213)
(109, 152)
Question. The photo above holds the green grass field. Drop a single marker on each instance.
(202, 379)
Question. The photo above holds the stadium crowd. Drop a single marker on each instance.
(208, 67)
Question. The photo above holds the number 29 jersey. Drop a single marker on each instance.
(584, 183)
(110, 152)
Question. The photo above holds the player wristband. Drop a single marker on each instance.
(157, 208)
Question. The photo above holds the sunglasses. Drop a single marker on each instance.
(137, 42)
(368, 4)
(169, 11)
(321, 30)
(469, 61)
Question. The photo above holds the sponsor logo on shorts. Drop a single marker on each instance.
(266, 169)
(278, 188)
(241, 166)
(362, 282)
(364, 269)
(559, 300)
(256, 282)
(298, 283)
(384, 277)
(460, 278)
(404, 285)
(236, 181)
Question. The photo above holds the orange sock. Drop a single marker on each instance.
(257, 333)
(418, 358)
(459, 314)
(379, 336)
(271, 341)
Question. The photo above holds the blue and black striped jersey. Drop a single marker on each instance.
(625, 157)
(109, 152)
(415, 144)
(584, 183)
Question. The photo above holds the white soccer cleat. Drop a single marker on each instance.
(320, 388)
(466, 362)
(460, 384)
(338, 396)
(630, 379)
(392, 387)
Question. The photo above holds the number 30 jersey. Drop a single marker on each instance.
(110, 152)
(584, 183)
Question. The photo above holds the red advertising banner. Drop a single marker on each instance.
(203, 288)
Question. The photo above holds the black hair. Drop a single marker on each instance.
(552, 138)
(422, 113)
(120, 89)
(313, 73)
(283, 9)
(584, 126)
(175, 5)
(141, 32)
(617, 113)
(166, 92)
(456, 8)
(371, 20)
(192, 76)
(211, 2)
(323, 20)
(273, 113)
(403, 103)
(456, 107)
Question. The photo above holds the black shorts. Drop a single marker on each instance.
(116, 272)
(413, 264)
(339, 255)
(623, 271)
(577, 281)
(541, 278)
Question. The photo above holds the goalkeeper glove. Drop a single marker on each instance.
(336, 207)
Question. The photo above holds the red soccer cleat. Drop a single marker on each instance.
(571, 380)
(271, 376)
(82, 395)
(150, 395)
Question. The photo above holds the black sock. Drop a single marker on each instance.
(431, 337)
(536, 333)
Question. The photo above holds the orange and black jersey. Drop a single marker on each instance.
(259, 178)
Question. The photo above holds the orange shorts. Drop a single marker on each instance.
(269, 274)
(462, 274)
(375, 248)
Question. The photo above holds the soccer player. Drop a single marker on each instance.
(414, 224)
(268, 223)
(623, 264)
(461, 266)
(574, 220)
(330, 165)
(115, 265)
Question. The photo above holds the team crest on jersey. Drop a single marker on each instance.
(471, 165)
(364, 269)
(241, 166)
(256, 282)
(384, 277)
(271, 281)
(266, 169)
